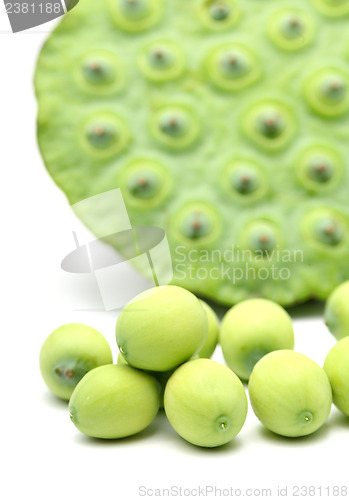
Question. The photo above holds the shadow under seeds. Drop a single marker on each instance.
(296, 441)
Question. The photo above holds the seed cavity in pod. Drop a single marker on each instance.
(105, 134)
(144, 182)
(136, 15)
(219, 15)
(244, 179)
(325, 228)
(232, 67)
(262, 237)
(100, 73)
(319, 168)
(162, 61)
(219, 11)
(198, 223)
(332, 8)
(270, 125)
(326, 92)
(175, 127)
(291, 29)
(328, 231)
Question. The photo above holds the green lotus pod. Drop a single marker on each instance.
(337, 368)
(252, 329)
(161, 328)
(68, 353)
(210, 344)
(114, 401)
(224, 122)
(205, 403)
(337, 311)
(290, 394)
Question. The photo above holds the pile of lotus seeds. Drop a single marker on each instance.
(166, 336)
(224, 122)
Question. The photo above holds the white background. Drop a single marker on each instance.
(44, 456)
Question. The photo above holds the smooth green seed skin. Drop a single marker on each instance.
(68, 353)
(161, 377)
(205, 403)
(337, 368)
(121, 360)
(337, 311)
(213, 332)
(161, 328)
(114, 401)
(290, 394)
(252, 329)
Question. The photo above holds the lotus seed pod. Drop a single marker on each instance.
(252, 329)
(209, 346)
(337, 368)
(68, 353)
(205, 403)
(223, 122)
(161, 328)
(337, 311)
(290, 394)
(114, 401)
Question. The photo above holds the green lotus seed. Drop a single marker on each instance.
(269, 125)
(161, 328)
(100, 73)
(252, 329)
(326, 92)
(262, 238)
(219, 15)
(337, 368)
(245, 180)
(175, 127)
(209, 346)
(291, 30)
(161, 377)
(105, 135)
(290, 394)
(136, 15)
(205, 403)
(232, 67)
(337, 311)
(97, 72)
(162, 61)
(144, 182)
(325, 229)
(319, 168)
(219, 11)
(114, 401)
(197, 223)
(68, 353)
(328, 231)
